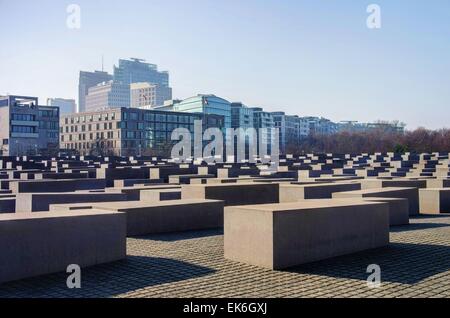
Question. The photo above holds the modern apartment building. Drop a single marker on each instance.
(127, 131)
(108, 95)
(241, 116)
(263, 119)
(149, 95)
(88, 80)
(66, 106)
(385, 126)
(27, 127)
(321, 126)
(289, 130)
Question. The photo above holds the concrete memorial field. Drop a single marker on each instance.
(312, 208)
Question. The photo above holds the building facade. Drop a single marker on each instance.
(288, 129)
(206, 104)
(88, 80)
(137, 70)
(384, 126)
(66, 106)
(241, 116)
(108, 95)
(27, 128)
(263, 119)
(127, 131)
(149, 95)
(321, 126)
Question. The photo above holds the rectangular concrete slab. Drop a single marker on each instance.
(35, 244)
(235, 193)
(37, 202)
(412, 194)
(398, 210)
(277, 236)
(434, 200)
(144, 217)
(295, 192)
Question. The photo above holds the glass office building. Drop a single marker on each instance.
(206, 104)
(137, 70)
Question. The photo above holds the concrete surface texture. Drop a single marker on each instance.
(412, 194)
(41, 243)
(310, 210)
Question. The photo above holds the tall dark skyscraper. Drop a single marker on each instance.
(88, 80)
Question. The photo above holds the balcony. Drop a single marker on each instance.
(24, 123)
(24, 135)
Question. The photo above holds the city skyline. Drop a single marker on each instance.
(309, 59)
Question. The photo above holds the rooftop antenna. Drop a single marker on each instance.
(102, 62)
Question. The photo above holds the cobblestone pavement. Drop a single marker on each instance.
(191, 264)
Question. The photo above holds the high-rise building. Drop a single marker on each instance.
(86, 81)
(26, 128)
(66, 106)
(108, 95)
(149, 95)
(150, 87)
(136, 70)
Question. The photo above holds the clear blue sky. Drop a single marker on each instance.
(312, 57)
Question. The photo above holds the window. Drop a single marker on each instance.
(22, 117)
(133, 116)
(23, 129)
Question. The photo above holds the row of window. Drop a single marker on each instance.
(99, 135)
(51, 113)
(128, 125)
(158, 117)
(23, 117)
(90, 118)
(23, 129)
(144, 135)
(54, 125)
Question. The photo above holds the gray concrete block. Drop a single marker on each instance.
(278, 236)
(234, 194)
(412, 194)
(36, 202)
(145, 217)
(398, 210)
(43, 243)
(296, 192)
(160, 195)
(39, 186)
(434, 200)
